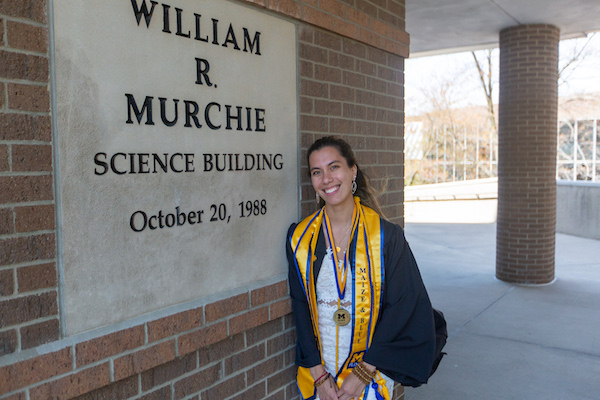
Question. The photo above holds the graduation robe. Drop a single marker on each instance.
(403, 345)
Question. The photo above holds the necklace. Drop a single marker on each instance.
(338, 248)
(340, 272)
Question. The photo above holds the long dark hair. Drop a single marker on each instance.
(364, 189)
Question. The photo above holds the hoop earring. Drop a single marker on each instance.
(317, 197)
(354, 185)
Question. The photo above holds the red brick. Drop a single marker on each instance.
(225, 389)
(29, 158)
(34, 218)
(313, 89)
(19, 396)
(342, 93)
(306, 69)
(28, 308)
(291, 391)
(341, 126)
(306, 33)
(109, 345)
(344, 28)
(398, 392)
(269, 293)
(28, 97)
(203, 337)
(358, 17)
(306, 105)
(328, 40)
(36, 277)
(312, 53)
(334, 7)
(281, 342)
(316, 17)
(120, 390)
(4, 163)
(196, 382)
(279, 395)
(25, 127)
(224, 308)
(353, 48)
(7, 282)
(169, 371)
(288, 7)
(174, 324)
(8, 342)
(248, 320)
(281, 379)
(341, 60)
(289, 356)
(160, 394)
(23, 66)
(280, 308)
(221, 350)
(244, 359)
(327, 74)
(143, 360)
(30, 248)
(266, 368)
(366, 7)
(27, 37)
(2, 89)
(255, 392)
(15, 189)
(40, 333)
(73, 385)
(34, 370)
(34, 10)
(314, 124)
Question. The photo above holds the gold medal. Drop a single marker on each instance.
(341, 317)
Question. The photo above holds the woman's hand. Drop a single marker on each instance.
(352, 388)
(328, 389)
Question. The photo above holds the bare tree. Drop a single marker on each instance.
(487, 84)
(570, 61)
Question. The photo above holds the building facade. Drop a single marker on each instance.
(237, 343)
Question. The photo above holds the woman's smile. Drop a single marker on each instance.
(331, 177)
(332, 190)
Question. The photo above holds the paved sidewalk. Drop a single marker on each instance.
(507, 341)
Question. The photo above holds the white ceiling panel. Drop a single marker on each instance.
(447, 26)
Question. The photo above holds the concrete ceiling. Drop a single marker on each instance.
(450, 26)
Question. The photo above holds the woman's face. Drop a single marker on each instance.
(331, 177)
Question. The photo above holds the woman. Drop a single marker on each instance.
(363, 317)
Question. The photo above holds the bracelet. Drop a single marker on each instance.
(363, 374)
(369, 374)
(322, 379)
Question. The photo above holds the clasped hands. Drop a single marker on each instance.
(352, 387)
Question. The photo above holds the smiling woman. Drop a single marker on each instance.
(363, 316)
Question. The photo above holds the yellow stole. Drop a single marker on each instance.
(367, 278)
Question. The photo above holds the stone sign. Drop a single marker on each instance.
(177, 152)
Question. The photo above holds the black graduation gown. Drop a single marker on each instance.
(404, 343)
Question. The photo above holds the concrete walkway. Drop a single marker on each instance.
(507, 341)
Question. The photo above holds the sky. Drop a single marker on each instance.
(457, 75)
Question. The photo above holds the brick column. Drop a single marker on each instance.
(526, 228)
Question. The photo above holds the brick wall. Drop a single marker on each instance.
(354, 91)
(527, 154)
(28, 279)
(378, 23)
(242, 347)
